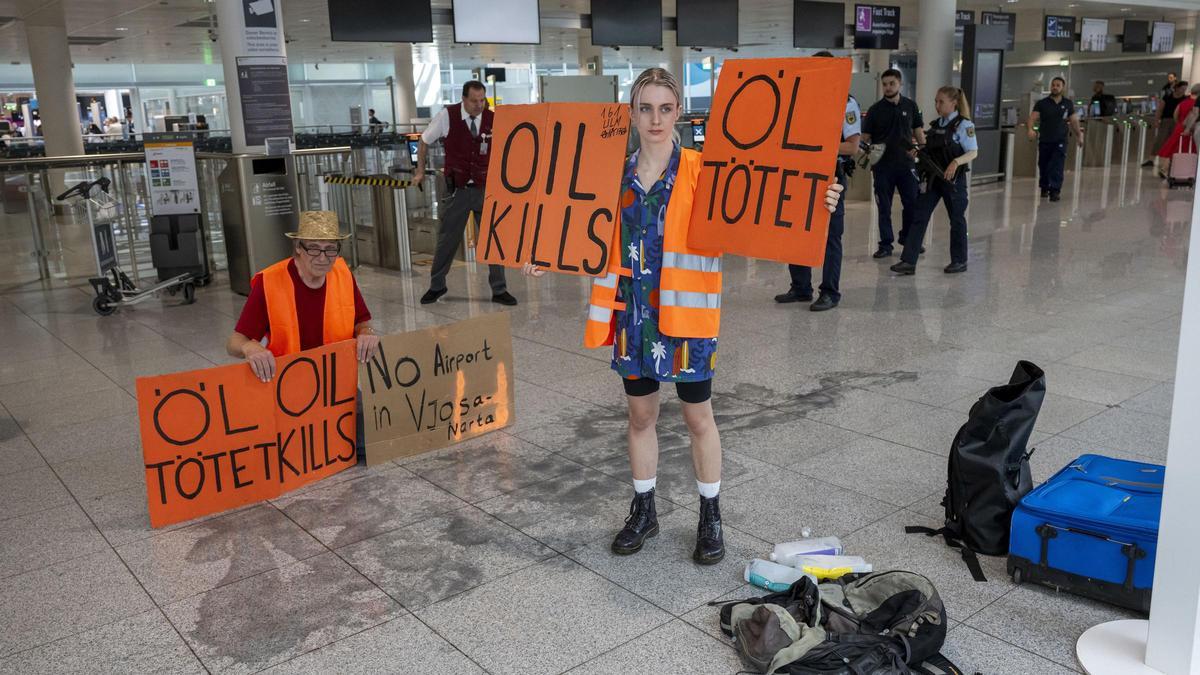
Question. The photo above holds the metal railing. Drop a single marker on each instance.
(59, 249)
(58, 243)
(219, 140)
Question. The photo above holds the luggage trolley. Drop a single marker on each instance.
(113, 287)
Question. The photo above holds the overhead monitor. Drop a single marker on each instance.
(706, 23)
(1006, 19)
(627, 23)
(1136, 37)
(1162, 39)
(513, 22)
(1093, 35)
(380, 21)
(818, 25)
(876, 27)
(1058, 33)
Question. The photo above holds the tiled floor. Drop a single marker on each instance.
(493, 556)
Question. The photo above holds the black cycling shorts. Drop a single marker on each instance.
(689, 392)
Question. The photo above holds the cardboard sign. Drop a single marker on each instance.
(771, 153)
(554, 182)
(431, 388)
(219, 438)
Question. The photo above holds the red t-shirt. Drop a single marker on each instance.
(310, 308)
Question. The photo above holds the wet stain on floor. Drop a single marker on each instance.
(785, 406)
(279, 614)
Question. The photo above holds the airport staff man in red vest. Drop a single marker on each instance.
(466, 130)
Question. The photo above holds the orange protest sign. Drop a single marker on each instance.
(554, 180)
(218, 438)
(771, 152)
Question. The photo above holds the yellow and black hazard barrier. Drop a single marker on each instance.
(373, 182)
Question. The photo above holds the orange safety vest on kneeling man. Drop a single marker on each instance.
(689, 291)
(283, 321)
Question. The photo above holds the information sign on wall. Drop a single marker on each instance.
(171, 174)
(876, 27)
(1006, 19)
(1059, 34)
(266, 100)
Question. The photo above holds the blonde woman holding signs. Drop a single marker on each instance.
(659, 306)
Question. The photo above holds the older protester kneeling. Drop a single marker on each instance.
(303, 302)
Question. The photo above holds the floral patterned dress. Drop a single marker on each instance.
(639, 349)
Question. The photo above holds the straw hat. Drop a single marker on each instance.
(318, 226)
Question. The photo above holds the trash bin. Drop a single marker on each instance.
(258, 205)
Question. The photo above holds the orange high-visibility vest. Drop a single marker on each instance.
(689, 294)
(283, 321)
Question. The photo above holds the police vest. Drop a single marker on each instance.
(941, 145)
(689, 293)
(283, 321)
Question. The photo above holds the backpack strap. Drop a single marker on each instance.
(968, 556)
(937, 665)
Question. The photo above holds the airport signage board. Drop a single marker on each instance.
(876, 27)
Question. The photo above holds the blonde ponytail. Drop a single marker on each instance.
(960, 100)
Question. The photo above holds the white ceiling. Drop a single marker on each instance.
(149, 30)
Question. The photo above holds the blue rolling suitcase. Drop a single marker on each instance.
(1092, 530)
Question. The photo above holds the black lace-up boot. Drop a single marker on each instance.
(710, 544)
(641, 524)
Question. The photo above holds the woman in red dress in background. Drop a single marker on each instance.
(1180, 141)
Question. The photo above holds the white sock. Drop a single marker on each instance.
(708, 490)
(640, 486)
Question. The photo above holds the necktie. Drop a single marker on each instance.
(474, 129)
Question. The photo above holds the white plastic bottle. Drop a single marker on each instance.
(772, 576)
(830, 566)
(791, 549)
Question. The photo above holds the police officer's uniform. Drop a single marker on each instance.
(831, 269)
(1052, 142)
(947, 139)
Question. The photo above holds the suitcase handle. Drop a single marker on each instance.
(1131, 551)
(1110, 481)
(1113, 481)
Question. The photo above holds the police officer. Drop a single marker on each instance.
(943, 167)
(831, 270)
(465, 128)
(894, 121)
(1051, 116)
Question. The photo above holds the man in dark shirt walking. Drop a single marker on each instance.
(1168, 88)
(1102, 104)
(894, 121)
(1050, 118)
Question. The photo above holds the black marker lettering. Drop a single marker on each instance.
(562, 242)
(784, 197)
(746, 145)
(598, 267)
(533, 132)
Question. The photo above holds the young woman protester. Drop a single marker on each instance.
(949, 147)
(659, 306)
